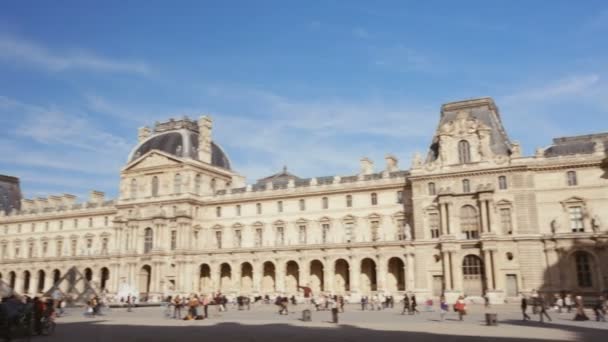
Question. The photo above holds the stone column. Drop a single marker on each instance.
(444, 218)
(114, 277)
(484, 216)
(328, 277)
(456, 270)
(48, 281)
(381, 269)
(487, 263)
(258, 272)
(304, 272)
(355, 275)
(491, 217)
(236, 281)
(281, 269)
(447, 274)
(409, 271)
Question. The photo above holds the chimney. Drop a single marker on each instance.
(392, 163)
(367, 166)
(97, 197)
(69, 200)
(143, 133)
(205, 125)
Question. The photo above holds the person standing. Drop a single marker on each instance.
(568, 303)
(406, 305)
(580, 309)
(443, 308)
(542, 307)
(524, 307)
(486, 299)
(599, 309)
(177, 307)
(461, 308)
(129, 303)
(363, 303)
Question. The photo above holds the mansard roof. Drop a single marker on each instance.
(10, 193)
(580, 144)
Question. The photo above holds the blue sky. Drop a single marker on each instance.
(314, 85)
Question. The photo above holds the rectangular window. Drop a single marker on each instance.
(46, 226)
(238, 239)
(104, 245)
(280, 236)
(505, 221)
(375, 230)
(280, 206)
(4, 251)
(74, 247)
(431, 189)
(400, 197)
(218, 212)
(325, 202)
(576, 219)
(302, 205)
(572, 181)
(349, 230)
(33, 227)
(502, 183)
(58, 252)
(173, 239)
(105, 221)
(238, 210)
(258, 237)
(218, 239)
(30, 251)
(349, 201)
(90, 222)
(434, 225)
(258, 208)
(45, 247)
(17, 252)
(302, 235)
(75, 223)
(325, 227)
(401, 229)
(60, 225)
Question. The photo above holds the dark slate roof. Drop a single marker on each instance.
(278, 178)
(10, 193)
(181, 143)
(580, 144)
(486, 112)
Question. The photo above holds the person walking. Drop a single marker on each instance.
(542, 307)
(177, 307)
(406, 305)
(599, 309)
(414, 305)
(129, 303)
(486, 300)
(461, 308)
(580, 309)
(363, 303)
(568, 303)
(443, 308)
(524, 307)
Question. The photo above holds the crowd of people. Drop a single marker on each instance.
(25, 312)
(562, 303)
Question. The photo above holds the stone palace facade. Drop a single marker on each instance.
(474, 215)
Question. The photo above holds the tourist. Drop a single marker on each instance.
(600, 309)
(363, 303)
(460, 307)
(341, 303)
(559, 303)
(130, 300)
(414, 305)
(406, 304)
(524, 307)
(177, 307)
(206, 300)
(534, 302)
(486, 299)
(580, 309)
(443, 308)
(542, 307)
(568, 303)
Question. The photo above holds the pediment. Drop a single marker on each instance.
(153, 159)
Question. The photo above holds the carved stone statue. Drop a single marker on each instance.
(596, 224)
(408, 231)
(555, 226)
(416, 160)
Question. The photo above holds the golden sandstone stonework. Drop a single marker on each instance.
(473, 216)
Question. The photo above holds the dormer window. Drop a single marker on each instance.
(464, 152)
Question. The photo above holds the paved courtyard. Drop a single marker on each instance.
(262, 323)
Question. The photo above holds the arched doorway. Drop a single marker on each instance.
(472, 275)
(341, 276)
(41, 279)
(12, 277)
(368, 276)
(26, 281)
(316, 277)
(56, 276)
(88, 274)
(225, 277)
(292, 277)
(204, 279)
(584, 272)
(246, 278)
(268, 280)
(145, 274)
(396, 275)
(105, 276)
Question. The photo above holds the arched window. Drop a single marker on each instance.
(374, 198)
(349, 201)
(572, 181)
(154, 186)
(325, 203)
(177, 184)
(583, 269)
(472, 265)
(197, 184)
(466, 186)
(469, 222)
(432, 191)
(148, 236)
(464, 152)
(502, 183)
(133, 189)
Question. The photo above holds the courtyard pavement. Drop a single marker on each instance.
(262, 323)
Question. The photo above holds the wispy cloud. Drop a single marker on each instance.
(558, 89)
(23, 51)
(361, 33)
(400, 58)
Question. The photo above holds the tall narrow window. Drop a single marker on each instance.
(258, 208)
(349, 228)
(30, 251)
(173, 239)
(90, 222)
(148, 236)
(154, 186)
(302, 205)
(434, 225)
(583, 269)
(60, 225)
(349, 201)
(177, 184)
(105, 221)
(258, 237)
(218, 212)
(325, 202)
(238, 238)
(469, 222)
(280, 236)
(104, 246)
(572, 181)
(576, 219)
(464, 152)
(432, 191)
(74, 247)
(238, 210)
(218, 239)
(45, 247)
(325, 232)
(197, 184)
(133, 189)
(400, 197)
(59, 246)
(213, 185)
(375, 225)
(280, 206)
(505, 221)
(502, 183)
(374, 198)
(302, 234)
(466, 186)
(33, 227)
